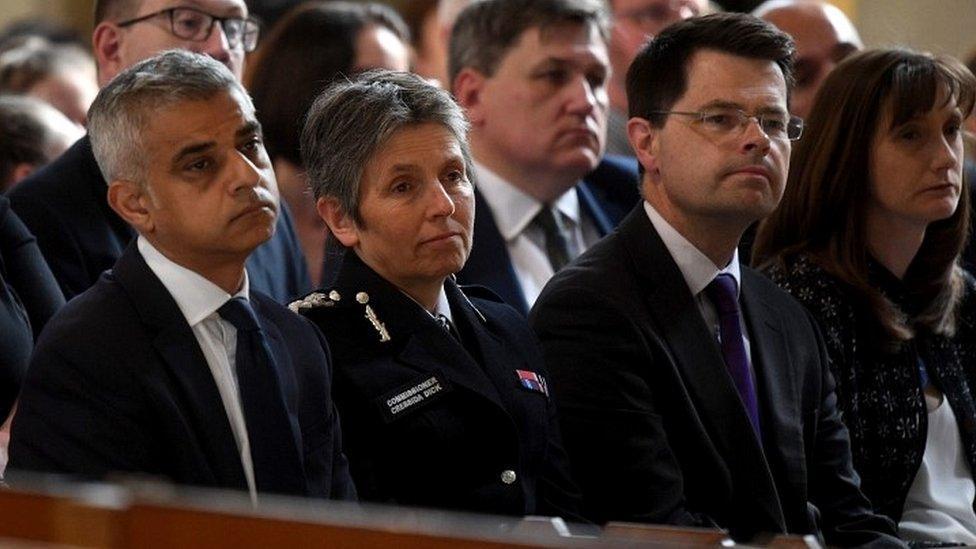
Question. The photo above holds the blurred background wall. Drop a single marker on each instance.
(947, 26)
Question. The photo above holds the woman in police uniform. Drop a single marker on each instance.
(442, 395)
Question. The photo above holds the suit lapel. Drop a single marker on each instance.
(592, 208)
(287, 380)
(426, 346)
(698, 359)
(489, 263)
(181, 355)
(776, 384)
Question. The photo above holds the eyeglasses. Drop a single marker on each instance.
(196, 25)
(725, 122)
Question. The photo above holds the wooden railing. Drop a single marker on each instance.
(150, 516)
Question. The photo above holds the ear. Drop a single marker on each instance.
(131, 201)
(468, 88)
(342, 226)
(645, 140)
(107, 45)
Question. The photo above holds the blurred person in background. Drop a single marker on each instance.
(61, 75)
(823, 35)
(532, 77)
(32, 133)
(311, 46)
(868, 237)
(634, 22)
(64, 204)
(430, 23)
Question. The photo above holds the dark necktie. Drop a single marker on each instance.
(277, 464)
(723, 292)
(557, 246)
(448, 326)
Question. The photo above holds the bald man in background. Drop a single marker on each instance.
(824, 36)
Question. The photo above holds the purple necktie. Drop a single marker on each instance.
(723, 292)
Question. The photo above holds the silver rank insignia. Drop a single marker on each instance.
(363, 299)
(314, 300)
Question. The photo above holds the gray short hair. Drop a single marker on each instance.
(122, 109)
(487, 29)
(352, 119)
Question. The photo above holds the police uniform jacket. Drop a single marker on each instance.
(429, 422)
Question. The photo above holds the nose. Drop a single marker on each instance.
(242, 174)
(948, 154)
(216, 44)
(440, 202)
(753, 138)
(585, 97)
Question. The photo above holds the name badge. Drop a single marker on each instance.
(412, 396)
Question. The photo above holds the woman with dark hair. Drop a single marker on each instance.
(312, 45)
(868, 236)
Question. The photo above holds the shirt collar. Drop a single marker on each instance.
(197, 297)
(696, 268)
(513, 209)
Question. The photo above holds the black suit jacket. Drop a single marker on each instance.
(118, 383)
(64, 205)
(430, 424)
(654, 427)
(605, 197)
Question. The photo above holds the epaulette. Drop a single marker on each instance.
(315, 300)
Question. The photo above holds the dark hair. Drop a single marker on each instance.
(311, 46)
(415, 13)
(658, 76)
(24, 137)
(24, 67)
(106, 10)
(486, 30)
(822, 214)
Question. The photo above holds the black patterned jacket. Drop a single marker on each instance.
(880, 393)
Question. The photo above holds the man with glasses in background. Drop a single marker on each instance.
(634, 22)
(692, 390)
(65, 205)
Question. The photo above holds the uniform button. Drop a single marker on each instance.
(508, 476)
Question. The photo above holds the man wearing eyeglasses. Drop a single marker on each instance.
(65, 206)
(634, 22)
(691, 390)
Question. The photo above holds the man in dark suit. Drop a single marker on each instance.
(693, 391)
(64, 203)
(532, 77)
(171, 364)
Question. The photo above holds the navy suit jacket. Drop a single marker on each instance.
(64, 205)
(605, 197)
(118, 383)
(472, 437)
(654, 427)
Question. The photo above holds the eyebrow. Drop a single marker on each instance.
(192, 149)
(251, 127)
(720, 104)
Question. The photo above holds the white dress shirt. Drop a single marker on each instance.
(514, 210)
(198, 300)
(939, 505)
(698, 272)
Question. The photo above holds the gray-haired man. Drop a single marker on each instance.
(170, 364)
